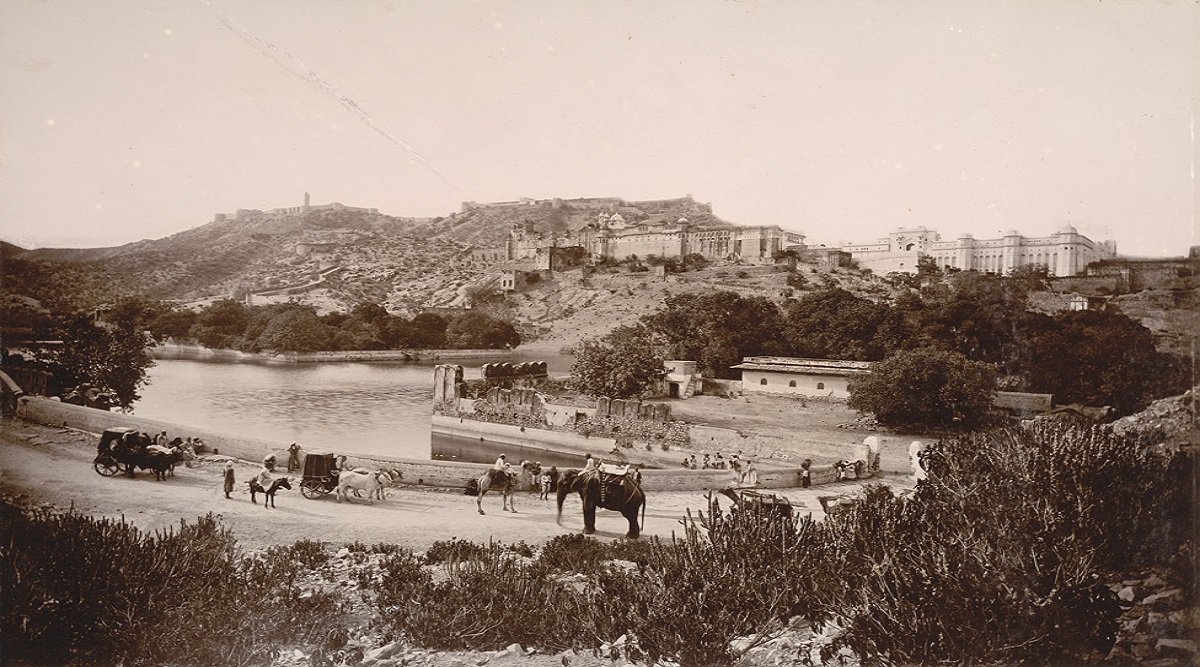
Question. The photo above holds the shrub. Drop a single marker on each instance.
(1000, 556)
(573, 552)
(310, 554)
(483, 604)
(454, 550)
(80, 590)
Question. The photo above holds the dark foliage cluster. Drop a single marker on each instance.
(1000, 557)
(1091, 357)
(621, 364)
(111, 356)
(297, 328)
(79, 590)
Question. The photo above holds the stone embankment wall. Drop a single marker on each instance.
(201, 353)
(523, 417)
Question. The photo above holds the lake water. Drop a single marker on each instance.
(370, 408)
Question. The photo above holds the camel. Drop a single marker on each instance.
(505, 481)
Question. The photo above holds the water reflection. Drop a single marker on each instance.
(378, 408)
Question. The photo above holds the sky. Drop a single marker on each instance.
(125, 120)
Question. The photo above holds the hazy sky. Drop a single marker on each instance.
(844, 120)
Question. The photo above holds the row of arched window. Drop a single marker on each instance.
(792, 383)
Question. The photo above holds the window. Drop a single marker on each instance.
(791, 383)
(763, 381)
(820, 385)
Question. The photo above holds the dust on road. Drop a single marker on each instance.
(46, 466)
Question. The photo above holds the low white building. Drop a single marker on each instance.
(806, 377)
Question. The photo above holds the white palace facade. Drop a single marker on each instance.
(1066, 253)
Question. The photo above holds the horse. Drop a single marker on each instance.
(268, 494)
(505, 481)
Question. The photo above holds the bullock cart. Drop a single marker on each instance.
(113, 452)
(320, 475)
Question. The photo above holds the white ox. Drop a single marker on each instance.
(362, 480)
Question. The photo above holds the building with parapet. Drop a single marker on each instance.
(613, 238)
(243, 213)
(1066, 253)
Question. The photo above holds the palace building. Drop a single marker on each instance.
(1066, 253)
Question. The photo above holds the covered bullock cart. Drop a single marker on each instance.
(320, 474)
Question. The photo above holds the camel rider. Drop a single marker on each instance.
(500, 467)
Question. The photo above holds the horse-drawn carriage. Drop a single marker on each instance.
(125, 449)
(320, 475)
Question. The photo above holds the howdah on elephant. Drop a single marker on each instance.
(618, 493)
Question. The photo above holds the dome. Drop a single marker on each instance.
(1011, 232)
(1067, 229)
(965, 235)
(683, 221)
(616, 218)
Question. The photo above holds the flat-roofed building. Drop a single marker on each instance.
(794, 375)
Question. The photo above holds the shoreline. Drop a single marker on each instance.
(179, 352)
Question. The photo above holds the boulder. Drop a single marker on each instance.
(1164, 600)
(1181, 648)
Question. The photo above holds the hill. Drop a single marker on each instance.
(330, 256)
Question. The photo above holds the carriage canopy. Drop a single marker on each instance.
(112, 435)
(318, 465)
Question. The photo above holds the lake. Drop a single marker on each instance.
(369, 408)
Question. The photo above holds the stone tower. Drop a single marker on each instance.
(305, 201)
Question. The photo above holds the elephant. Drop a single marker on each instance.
(621, 495)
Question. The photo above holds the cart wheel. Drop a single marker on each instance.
(311, 490)
(106, 467)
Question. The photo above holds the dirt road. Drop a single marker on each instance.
(45, 466)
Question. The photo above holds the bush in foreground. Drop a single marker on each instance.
(78, 590)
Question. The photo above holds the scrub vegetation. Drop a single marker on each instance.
(1004, 555)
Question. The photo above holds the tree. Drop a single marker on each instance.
(221, 324)
(298, 330)
(1097, 358)
(621, 364)
(114, 360)
(925, 388)
(427, 331)
(835, 324)
(479, 331)
(717, 329)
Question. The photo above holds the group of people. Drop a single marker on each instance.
(711, 462)
(194, 445)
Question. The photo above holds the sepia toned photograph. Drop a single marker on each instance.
(505, 333)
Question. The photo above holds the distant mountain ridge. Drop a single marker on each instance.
(404, 263)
